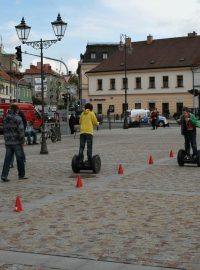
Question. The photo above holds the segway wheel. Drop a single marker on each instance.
(180, 157)
(75, 164)
(198, 158)
(96, 163)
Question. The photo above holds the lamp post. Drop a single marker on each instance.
(23, 31)
(125, 45)
(18, 90)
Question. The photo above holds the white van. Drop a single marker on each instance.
(137, 116)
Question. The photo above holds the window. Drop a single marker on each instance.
(180, 81)
(105, 55)
(99, 108)
(6, 90)
(152, 106)
(125, 83)
(165, 82)
(179, 107)
(151, 82)
(99, 84)
(112, 84)
(93, 55)
(138, 105)
(138, 82)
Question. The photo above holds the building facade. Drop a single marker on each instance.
(95, 53)
(54, 84)
(12, 86)
(157, 73)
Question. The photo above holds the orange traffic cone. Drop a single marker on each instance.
(120, 169)
(171, 154)
(151, 160)
(79, 183)
(18, 205)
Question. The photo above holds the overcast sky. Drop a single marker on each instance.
(94, 21)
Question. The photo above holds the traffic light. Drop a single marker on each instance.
(18, 53)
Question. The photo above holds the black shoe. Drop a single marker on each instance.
(5, 179)
(188, 157)
(35, 143)
(23, 177)
(194, 157)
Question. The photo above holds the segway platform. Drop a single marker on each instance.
(78, 166)
(183, 158)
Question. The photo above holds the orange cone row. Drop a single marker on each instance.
(79, 183)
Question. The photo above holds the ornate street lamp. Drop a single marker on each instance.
(23, 31)
(126, 46)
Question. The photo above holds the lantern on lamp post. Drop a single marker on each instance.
(23, 31)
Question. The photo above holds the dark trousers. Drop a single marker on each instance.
(154, 123)
(19, 153)
(190, 140)
(85, 138)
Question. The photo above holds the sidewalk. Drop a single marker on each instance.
(146, 219)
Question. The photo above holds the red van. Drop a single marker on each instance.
(29, 111)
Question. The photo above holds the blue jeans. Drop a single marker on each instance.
(30, 134)
(83, 139)
(19, 153)
(190, 139)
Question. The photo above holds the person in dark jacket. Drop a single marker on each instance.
(188, 130)
(13, 130)
(72, 123)
(22, 115)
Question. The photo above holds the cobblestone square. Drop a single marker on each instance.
(148, 218)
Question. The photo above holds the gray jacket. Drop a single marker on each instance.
(13, 129)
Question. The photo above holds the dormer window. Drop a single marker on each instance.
(105, 55)
(93, 55)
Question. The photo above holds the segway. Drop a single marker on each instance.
(183, 158)
(77, 166)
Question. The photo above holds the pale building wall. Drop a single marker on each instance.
(159, 95)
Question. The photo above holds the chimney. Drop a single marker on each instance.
(128, 42)
(149, 39)
(39, 65)
(193, 34)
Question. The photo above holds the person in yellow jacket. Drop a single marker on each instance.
(87, 122)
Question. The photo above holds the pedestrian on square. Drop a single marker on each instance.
(188, 130)
(22, 115)
(87, 122)
(154, 118)
(13, 131)
(72, 123)
(30, 133)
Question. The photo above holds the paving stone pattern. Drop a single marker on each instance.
(149, 217)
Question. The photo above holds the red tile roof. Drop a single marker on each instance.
(4, 75)
(161, 53)
(34, 70)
